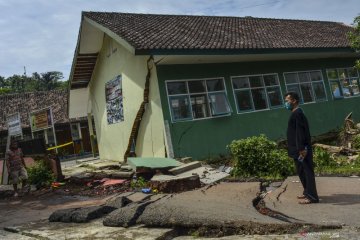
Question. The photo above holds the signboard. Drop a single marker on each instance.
(41, 120)
(75, 131)
(14, 129)
(14, 125)
(114, 100)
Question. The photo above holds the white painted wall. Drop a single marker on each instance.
(113, 139)
(78, 103)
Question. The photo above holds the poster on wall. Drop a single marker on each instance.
(114, 100)
(14, 125)
(40, 120)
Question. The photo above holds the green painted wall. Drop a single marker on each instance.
(209, 137)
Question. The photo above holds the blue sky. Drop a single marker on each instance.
(42, 34)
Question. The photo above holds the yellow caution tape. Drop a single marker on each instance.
(60, 146)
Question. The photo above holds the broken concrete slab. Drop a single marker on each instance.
(152, 163)
(174, 184)
(185, 167)
(224, 168)
(126, 168)
(119, 200)
(6, 235)
(217, 206)
(138, 197)
(339, 201)
(125, 217)
(92, 230)
(80, 215)
(128, 215)
(208, 175)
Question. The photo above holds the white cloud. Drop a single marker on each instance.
(42, 34)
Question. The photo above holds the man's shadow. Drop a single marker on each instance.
(341, 199)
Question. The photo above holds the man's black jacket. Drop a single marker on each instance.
(298, 133)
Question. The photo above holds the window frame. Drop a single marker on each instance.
(188, 95)
(338, 81)
(311, 82)
(250, 88)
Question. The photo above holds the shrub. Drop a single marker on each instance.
(40, 174)
(139, 183)
(258, 156)
(356, 142)
(323, 159)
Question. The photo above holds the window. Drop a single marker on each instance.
(308, 85)
(344, 82)
(197, 99)
(257, 92)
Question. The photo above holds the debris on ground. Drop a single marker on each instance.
(175, 184)
(154, 163)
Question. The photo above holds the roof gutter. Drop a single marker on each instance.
(155, 52)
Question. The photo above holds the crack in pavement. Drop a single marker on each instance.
(284, 190)
(140, 209)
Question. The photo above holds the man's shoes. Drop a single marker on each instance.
(307, 201)
(16, 194)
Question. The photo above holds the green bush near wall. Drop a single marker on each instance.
(257, 156)
(39, 174)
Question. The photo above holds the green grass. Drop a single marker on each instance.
(347, 170)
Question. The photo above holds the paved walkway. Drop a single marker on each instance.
(339, 201)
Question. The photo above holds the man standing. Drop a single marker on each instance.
(16, 167)
(299, 148)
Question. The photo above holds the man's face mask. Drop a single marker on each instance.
(288, 106)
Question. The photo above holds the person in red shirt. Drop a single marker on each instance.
(16, 167)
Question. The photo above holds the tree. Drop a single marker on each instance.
(37, 82)
(47, 81)
(50, 80)
(354, 37)
(3, 82)
(16, 83)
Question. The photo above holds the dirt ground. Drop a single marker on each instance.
(39, 204)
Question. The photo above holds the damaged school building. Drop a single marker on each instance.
(34, 142)
(177, 85)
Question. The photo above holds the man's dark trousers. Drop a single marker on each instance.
(305, 170)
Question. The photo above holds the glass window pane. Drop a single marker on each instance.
(316, 76)
(304, 77)
(307, 93)
(176, 88)
(291, 78)
(319, 91)
(196, 86)
(219, 103)
(343, 73)
(200, 106)
(274, 95)
(240, 82)
(346, 89)
(295, 88)
(335, 89)
(332, 74)
(271, 80)
(215, 85)
(259, 98)
(256, 81)
(354, 87)
(353, 73)
(243, 99)
(180, 107)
